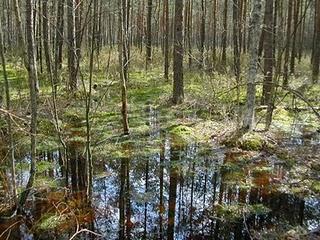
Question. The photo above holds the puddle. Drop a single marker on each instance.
(177, 191)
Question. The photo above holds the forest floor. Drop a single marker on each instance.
(285, 159)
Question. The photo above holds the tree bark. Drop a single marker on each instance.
(296, 10)
(59, 40)
(268, 53)
(316, 55)
(288, 45)
(33, 79)
(254, 33)
(11, 154)
(178, 91)
(72, 52)
(202, 33)
(123, 63)
(166, 38)
(224, 35)
(149, 34)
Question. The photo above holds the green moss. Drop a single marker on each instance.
(45, 182)
(251, 142)
(183, 133)
(261, 169)
(235, 211)
(49, 222)
(315, 186)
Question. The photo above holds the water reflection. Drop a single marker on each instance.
(178, 190)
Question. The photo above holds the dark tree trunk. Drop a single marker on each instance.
(296, 10)
(178, 91)
(33, 79)
(166, 38)
(287, 46)
(316, 49)
(224, 35)
(72, 52)
(214, 37)
(254, 32)
(268, 53)
(59, 40)
(202, 33)
(123, 62)
(149, 34)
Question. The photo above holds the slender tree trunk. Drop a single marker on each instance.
(288, 45)
(178, 91)
(244, 22)
(189, 31)
(214, 37)
(88, 93)
(11, 154)
(202, 33)
(166, 38)
(316, 54)
(301, 32)
(268, 92)
(268, 53)
(149, 34)
(296, 10)
(224, 35)
(123, 63)
(72, 52)
(33, 79)
(254, 33)
(236, 52)
(59, 40)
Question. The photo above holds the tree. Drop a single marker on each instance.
(214, 37)
(224, 35)
(236, 50)
(296, 10)
(268, 53)
(316, 55)
(178, 91)
(149, 34)
(59, 40)
(287, 46)
(123, 62)
(166, 38)
(33, 79)
(202, 33)
(11, 154)
(254, 33)
(72, 52)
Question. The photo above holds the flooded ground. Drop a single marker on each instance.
(160, 186)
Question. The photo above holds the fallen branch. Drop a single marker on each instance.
(85, 230)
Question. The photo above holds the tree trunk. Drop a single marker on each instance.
(149, 34)
(11, 154)
(254, 33)
(287, 46)
(214, 37)
(166, 39)
(123, 63)
(33, 79)
(72, 52)
(224, 35)
(202, 33)
(296, 10)
(178, 91)
(236, 52)
(59, 40)
(316, 54)
(268, 53)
